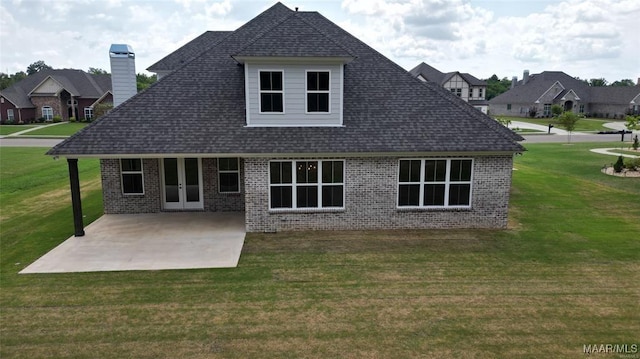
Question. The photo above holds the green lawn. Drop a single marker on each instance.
(9, 129)
(583, 125)
(65, 129)
(564, 275)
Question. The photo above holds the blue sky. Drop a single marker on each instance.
(584, 38)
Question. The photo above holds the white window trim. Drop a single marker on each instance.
(43, 114)
(294, 185)
(141, 173)
(10, 115)
(260, 92)
(229, 171)
(306, 92)
(447, 182)
(85, 112)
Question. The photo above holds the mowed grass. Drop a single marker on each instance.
(9, 129)
(565, 274)
(65, 129)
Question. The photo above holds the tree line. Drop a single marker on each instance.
(6, 80)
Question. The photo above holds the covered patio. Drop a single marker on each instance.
(179, 240)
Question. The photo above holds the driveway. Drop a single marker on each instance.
(185, 240)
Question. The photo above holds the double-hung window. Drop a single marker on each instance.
(546, 109)
(47, 113)
(131, 173)
(228, 175)
(10, 116)
(271, 91)
(306, 184)
(88, 113)
(318, 91)
(435, 183)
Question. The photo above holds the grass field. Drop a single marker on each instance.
(65, 129)
(564, 275)
(9, 129)
(583, 125)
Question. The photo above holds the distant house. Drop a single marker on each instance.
(534, 95)
(301, 126)
(465, 85)
(48, 93)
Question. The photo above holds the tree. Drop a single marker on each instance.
(633, 123)
(97, 71)
(37, 67)
(568, 120)
(101, 109)
(496, 86)
(556, 110)
(9, 80)
(143, 81)
(623, 82)
(598, 82)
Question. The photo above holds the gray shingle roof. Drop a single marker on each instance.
(200, 109)
(430, 73)
(189, 51)
(77, 82)
(538, 84)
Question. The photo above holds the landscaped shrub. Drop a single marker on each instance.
(57, 119)
(619, 165)
(72, 119)
(635, 144)
(40, 120)
(632, 164)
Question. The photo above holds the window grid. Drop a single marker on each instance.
(318, 92)
(320, 186)
(424, 184)
(88, 113)
(131, 174)
(228, 168)
(47, 113)
(271, 91)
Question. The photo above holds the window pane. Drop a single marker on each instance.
(459, 194)
(271, 102)
(332, 172)
(410, 171)
(409, 195)
(435, 170)
(280, 172)
(323, 102)
(132, 183)
(229, 182)
(133, 164)
(323, 81)
(434, 195)
(228, 164)
(460, 170)
(281, 197)
(307, 172)
(276, 81)
(312, 81)
(332, 196)
(307, 196)
(312, 102)
(265, 80)
(192, 179)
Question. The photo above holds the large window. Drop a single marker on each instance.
(271, 91)
(306, 184)
(435, 183)
(47, 113)
(10, 116)
(88, 113)
(318, 91)
(546, 110)
(228, 175)
(131, 173)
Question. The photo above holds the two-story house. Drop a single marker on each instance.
(533, 96)
(464, 85)
(300, 125)
(64, 93)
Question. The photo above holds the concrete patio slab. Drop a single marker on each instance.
(119, 242)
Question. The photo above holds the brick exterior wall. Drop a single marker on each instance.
(151, 201)
(54, 102)
(370, 200)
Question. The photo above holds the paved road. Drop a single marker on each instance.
(29, 142)
(574, 138)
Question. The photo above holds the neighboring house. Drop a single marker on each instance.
(465, 85)
(65, 93)
(534, 95)
(302, 126)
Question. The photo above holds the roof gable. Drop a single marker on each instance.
(48, 86)
(386, 110)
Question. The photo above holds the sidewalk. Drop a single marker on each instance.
(542, 128)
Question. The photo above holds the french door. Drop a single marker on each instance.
(182, 183)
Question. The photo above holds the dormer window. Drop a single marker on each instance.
(318, 91)
(271, 92)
